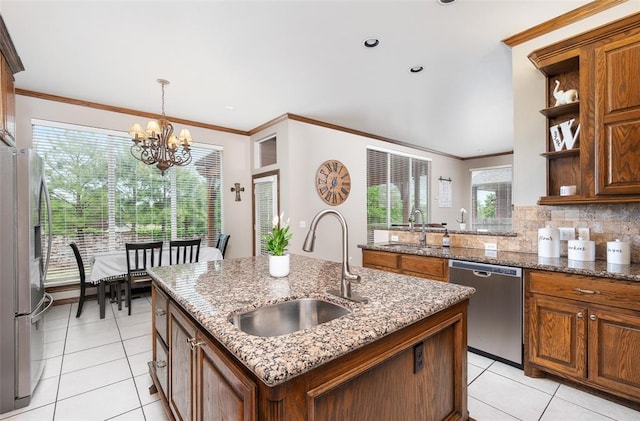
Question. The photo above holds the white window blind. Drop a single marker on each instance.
(265, 202)
(491, 198)
(101, 197)
(396, 183)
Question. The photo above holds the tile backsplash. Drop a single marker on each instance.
(606, 222)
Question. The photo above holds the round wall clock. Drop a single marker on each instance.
(333, 182)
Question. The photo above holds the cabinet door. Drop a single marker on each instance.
(557, 338)
(223, 391)
(617, 109)
(614, 341)
(181, 365)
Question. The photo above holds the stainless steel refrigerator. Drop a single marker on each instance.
(25, 247)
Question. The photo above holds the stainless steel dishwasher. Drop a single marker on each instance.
(495, 325)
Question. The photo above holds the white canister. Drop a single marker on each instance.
(618, 252)
(581, 250)
(548, 242)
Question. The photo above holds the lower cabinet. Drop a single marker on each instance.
(416, 373)
(585, 329)
(429, 267)
(203, 383)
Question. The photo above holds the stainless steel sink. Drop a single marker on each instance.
(288, 317)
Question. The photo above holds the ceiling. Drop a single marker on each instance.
(239, 64)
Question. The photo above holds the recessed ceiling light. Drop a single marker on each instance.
(416, 69)
(371, 42)
(229, 107)
(445, 2)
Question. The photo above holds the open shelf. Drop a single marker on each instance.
(551, 112)
(561, 154)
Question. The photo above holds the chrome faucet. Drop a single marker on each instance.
(347, 276)
(423, 232)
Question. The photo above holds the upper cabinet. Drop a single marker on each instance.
(593, 115)
(10, 64)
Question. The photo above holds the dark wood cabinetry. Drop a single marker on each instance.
(602, 65)
(10, 64)
(429, 267)
(585, 329)
(377, 381)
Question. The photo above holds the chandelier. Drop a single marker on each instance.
(157, 144)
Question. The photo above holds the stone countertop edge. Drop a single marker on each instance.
(599, 268)
(213, 291)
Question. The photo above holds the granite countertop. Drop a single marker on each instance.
(598, 268)
(213, 291)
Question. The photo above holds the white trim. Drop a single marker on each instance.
(395, 152)
(495, 167)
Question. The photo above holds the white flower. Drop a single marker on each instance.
(463, 210)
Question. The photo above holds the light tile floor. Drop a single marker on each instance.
(96, 370)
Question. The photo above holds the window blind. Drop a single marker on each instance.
(266, 200)
(102, 197)
(396, 184)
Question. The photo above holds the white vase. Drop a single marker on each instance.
(279, 266)
(463, 227)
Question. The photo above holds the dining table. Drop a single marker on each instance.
(112, 266)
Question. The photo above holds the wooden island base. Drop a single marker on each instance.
(416, 373)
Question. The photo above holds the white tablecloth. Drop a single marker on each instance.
(114, 263)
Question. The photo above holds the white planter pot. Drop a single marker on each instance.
(279, 266)
(463, 227)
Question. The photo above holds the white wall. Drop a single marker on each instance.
(303, 147)
(237, 215)
(529, 98)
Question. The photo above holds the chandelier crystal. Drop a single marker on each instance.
(157, 144)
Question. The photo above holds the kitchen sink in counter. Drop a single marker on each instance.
(406, 321)
(599, 268)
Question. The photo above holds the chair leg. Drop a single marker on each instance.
(81, 301)
(119, 293)
(129, 296)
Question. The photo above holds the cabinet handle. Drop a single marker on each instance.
(586, 291)
(193, 344)
(580, 315)
(161, 364)
(160, 312)
(592, 317)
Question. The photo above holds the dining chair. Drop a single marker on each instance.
(109, 282)
(184, 251)
(223, 240)
(140, 256)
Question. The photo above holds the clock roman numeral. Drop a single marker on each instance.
(345, 191)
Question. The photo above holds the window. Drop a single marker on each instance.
(265, 191)
(396, 183)
(491, 198)
(267, 152)
(101, 197)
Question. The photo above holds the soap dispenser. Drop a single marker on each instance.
(446, 240)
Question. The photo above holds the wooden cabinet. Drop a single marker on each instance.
(195, 380)
(429, 267)
(585, 329)
(602, 65)
(416, 373)
(10, 64)
(618, 122)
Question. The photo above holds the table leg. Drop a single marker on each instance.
(101, 298)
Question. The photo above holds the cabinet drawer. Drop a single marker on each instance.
(160, 310)
(425, 266)
(380, 259)
(617, 293)
(162, 365)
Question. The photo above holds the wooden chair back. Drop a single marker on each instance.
(184, 251)
(223, 240)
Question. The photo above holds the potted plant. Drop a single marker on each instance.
(277, 242)
(463, 226)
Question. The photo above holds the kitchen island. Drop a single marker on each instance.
(401, 355)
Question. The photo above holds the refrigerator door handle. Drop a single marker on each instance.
(42, 312)
(47, 200)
